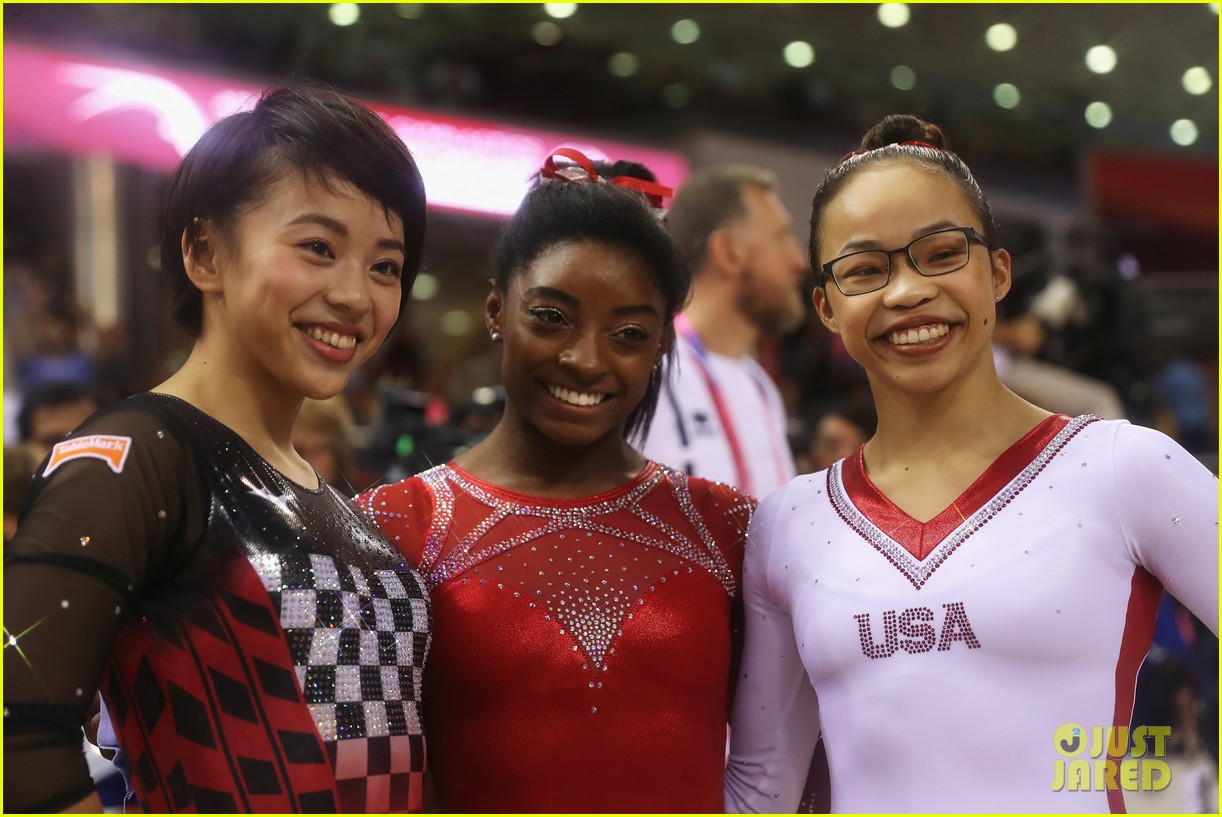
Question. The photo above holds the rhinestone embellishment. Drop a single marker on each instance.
(918, 571)
(586, 566)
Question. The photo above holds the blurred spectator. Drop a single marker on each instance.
(403, 362)
(323, 436)
(413, 432)
(481, 413)
(48, 414)
(1182, 390)
(118, 374)
(836, 432)
(721, 416)
(19, 463)
(817, 368)
(1178, 687)
(56, 355)
(51, 410)
(1017, 342)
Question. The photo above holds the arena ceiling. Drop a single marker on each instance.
(517, 62)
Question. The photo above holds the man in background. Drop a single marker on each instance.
(720, 415)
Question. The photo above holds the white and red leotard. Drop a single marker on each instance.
(939, 658)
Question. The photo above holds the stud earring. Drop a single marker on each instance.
(996, 297)
(495, 335)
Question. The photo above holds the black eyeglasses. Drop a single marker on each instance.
(934, 254)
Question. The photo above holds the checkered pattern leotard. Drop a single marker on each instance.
(269, 657)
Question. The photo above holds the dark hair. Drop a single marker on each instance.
(559, 212)
(310, 130)
(51, 395)
(623, 167)
(891, 140)
(709, 199)
(858, 409)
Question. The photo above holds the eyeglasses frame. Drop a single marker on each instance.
(969, 233)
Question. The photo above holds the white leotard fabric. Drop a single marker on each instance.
(939, 682)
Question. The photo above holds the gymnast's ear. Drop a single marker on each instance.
(823, 308)
(202, 255)
(1001, 274)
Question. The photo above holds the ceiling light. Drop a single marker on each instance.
(1006, 95)
(344, 14)
(1197, 80)
(1098, 114)
(1128, 266)
(1001, 37)
(425, 288)
(546, 33)
(1101, 59)
(903, 77)
(456, 322)
(799, 54)
(893, 15)
(1183, 132)
(410, 11)
(484, 396)
(623, 64)
(685, 32)
(676, 95)
(560, 10)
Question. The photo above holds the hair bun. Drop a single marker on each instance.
(902, 127)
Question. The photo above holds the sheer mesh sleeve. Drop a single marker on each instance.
(112, 512)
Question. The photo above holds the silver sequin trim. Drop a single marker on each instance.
(918, 571)
(704, 553)
(591, 610)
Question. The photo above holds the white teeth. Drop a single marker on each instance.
(575, 398)
(922, 335)
(332, 338)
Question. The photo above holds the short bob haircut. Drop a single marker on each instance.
(558, 212)
(313, 131)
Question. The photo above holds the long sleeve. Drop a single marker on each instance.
(775, 725)
(1168, 507)
(107, 514)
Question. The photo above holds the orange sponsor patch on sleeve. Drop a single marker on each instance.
(112, 450)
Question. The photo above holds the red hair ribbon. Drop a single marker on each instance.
(584, 171)
(912, 142)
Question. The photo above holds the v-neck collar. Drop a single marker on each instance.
(917, 548)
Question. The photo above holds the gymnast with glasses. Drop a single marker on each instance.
(980, 573)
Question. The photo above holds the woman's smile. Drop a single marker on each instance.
(925, 334)
(571, 397)
(582, 328)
